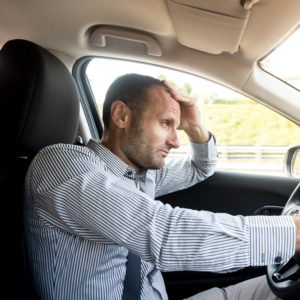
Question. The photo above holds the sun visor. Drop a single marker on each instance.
(211, 26)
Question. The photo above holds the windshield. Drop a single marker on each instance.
(284, 61)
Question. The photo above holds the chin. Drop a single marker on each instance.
(155, 163)
(159, 164)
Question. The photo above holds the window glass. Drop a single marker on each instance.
(284, 61)
(250, 137)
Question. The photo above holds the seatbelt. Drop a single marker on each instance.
(132, 282)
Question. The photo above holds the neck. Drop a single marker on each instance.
(108, 142)
(112, 142)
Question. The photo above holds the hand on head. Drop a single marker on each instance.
(190, 120)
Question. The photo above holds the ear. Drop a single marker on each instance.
(120, 114)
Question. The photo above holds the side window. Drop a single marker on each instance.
(250, 137)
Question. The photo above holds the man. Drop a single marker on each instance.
(86, 206)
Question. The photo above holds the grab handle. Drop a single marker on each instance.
(99, 35)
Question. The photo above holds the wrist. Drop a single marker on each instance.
(197, 134)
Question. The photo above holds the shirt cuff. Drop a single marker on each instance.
(272, 239)
(205, 151)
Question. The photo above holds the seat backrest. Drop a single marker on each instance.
(39, 106)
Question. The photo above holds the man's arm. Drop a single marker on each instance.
(181, 174)
(90, 202)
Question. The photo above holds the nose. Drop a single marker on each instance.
(173, 140)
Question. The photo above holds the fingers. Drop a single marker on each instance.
(177, 95)
(167, 84)
(171, 89)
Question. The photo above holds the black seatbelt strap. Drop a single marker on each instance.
(132, 282)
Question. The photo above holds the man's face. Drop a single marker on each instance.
(152, 134)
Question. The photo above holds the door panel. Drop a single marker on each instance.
(233, 193)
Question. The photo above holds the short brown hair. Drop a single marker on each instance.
(131, 89)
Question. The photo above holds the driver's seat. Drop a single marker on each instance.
(39, 106)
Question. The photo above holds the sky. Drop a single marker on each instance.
(284, 62)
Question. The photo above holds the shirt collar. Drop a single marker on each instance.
(112, 161)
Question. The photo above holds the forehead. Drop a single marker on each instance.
(161, 101)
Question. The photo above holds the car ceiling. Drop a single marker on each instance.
(220, 40)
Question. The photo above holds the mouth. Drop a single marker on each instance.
(164, 153)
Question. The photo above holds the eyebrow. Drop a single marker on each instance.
(172, 119)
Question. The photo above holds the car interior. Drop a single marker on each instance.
(46, 98)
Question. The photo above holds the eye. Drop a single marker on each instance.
(165, 122)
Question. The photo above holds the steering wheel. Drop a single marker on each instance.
(284, 278)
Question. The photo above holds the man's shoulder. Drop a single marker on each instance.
(63, 161)
(63, 153)
(61, 149)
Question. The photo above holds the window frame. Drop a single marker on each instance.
(90, 105)
(87, 99)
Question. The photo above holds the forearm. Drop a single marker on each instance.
(179, 174)
(272, 239)
(197, 134)
(221, 242)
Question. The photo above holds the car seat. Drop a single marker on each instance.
(39, 104)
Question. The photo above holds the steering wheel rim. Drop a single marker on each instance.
(284, 278)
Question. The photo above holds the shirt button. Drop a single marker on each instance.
(278, 260)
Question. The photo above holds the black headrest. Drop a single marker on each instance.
(39, 101)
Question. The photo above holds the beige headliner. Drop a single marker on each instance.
(63, 26)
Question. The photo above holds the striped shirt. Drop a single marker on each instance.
(85, 208)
